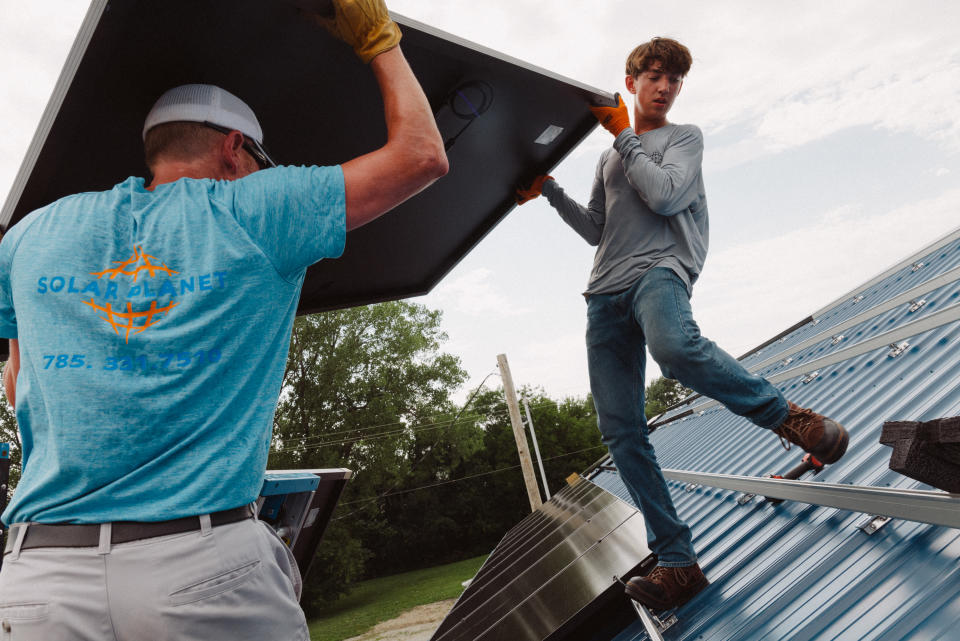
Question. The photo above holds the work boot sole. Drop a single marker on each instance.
(635, 591)
(833, 443)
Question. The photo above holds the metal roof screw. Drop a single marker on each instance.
(898, 348)
(787, 360)
(917, 304)
(916, 266)
(857, 298)
(836, 338)
(812, 376)
(873, 523)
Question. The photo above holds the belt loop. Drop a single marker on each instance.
(106, 529)
(253, 509)
(21, 534)
(206, 527)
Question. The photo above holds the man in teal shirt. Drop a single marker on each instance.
(149, 327)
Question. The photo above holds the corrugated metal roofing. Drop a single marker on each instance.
(796, 571)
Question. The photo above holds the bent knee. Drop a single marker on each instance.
(677, 354)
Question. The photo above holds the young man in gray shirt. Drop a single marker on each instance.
(647, 216)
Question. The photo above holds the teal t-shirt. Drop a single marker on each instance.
(153, 329)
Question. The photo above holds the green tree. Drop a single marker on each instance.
(487, 496)
(10, 434)
(661, 394)
(361, 390)
(567, 434)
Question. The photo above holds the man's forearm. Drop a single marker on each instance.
(668, 188)
(410, 121)
(413, 156)
(582, 220)
(10, 371)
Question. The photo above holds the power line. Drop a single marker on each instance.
(370, 427)
(449, 481)
(414, 463)
(308, 443)
(370, 437)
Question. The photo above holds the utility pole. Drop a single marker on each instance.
(526, 464)
(536, 448)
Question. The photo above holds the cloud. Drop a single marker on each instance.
(767, 285)
(30, 62)
(791, 76)
(474, 293)
(786, 73)
(926, 103)
(556, 362)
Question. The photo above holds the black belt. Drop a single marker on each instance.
(73, 535)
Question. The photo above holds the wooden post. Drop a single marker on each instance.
(526, 464)
(536, 449)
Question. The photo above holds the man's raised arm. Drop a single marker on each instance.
(413, 156)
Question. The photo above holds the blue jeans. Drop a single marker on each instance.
(655, 312)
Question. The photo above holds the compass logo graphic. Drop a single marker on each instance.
(133, 268)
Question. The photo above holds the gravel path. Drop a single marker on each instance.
(417, 624)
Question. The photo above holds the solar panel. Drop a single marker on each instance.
(554, 575)
(299, 504)
(503, 121)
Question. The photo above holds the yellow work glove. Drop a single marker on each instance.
(535, 188)
(613, 119)
(365, 25)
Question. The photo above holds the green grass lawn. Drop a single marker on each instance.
(381, 599)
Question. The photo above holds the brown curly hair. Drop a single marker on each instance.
(673, 57)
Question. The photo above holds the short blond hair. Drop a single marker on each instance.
(180, 140)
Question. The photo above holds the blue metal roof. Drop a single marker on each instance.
(796, 571)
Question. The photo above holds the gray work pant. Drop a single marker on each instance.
(232, 582)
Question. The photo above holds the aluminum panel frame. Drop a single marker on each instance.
(561, 571)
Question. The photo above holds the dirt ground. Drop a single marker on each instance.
(417, 624)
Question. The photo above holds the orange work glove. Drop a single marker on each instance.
(365, 25)
(613, 119)
(525, 194)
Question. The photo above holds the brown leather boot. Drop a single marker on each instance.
(666, 587)
(824, 438)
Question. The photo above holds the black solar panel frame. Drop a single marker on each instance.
(318, 105)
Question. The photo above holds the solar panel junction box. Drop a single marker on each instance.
(926, 451)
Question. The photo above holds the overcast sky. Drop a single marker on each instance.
(832, 134)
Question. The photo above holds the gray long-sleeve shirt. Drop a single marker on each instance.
(647, 208)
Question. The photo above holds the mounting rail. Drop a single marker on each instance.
(924, 506)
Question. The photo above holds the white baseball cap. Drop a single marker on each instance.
(212, 106)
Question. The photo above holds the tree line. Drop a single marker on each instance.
(370, 389)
